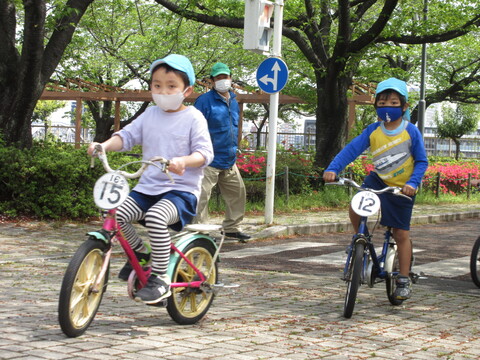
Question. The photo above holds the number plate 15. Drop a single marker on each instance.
(110, 191)
(365, 203)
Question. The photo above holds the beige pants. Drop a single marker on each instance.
(232, 188)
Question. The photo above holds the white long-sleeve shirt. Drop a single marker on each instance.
(169, 134)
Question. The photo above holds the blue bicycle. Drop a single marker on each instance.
(363, 265)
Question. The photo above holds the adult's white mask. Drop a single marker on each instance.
(223, 85)
(169, 102)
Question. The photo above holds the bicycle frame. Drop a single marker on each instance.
(111, 226)
(378, 261)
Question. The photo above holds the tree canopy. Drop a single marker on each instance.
(29, 55)
(326, 45)
(337, 38)
(456, 122)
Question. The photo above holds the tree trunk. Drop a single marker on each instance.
(23, 75)
(457, 148)
(332, 117)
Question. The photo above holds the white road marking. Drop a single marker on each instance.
(446, 268)
(336, 258)
(273, 249)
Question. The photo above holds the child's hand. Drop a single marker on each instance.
(177, 165)
(329, 176)
(409, 190)
(91, 148)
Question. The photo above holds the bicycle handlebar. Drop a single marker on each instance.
(102, 156)
(348, 182)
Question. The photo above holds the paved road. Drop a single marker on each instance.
(442, 253)
(294, 314)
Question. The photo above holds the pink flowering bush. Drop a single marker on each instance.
(360, 168)
(453, 174)
(249, 163)
(252, 166)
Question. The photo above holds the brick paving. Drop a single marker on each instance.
(272, 315)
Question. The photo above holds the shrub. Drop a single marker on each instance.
(453, 176)
(50, 180)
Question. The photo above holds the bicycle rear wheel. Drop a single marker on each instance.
(78, 304)
(187, 305)
(353, 278)
(475, 263)
(392, 268)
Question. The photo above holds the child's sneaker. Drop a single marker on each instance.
(156, 289)
(403, 290)
(143, 259)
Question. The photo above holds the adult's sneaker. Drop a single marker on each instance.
(156, 289)
(403, 290)
(142, 258)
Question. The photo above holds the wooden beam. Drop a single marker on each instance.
(145, 95)
(78, 122)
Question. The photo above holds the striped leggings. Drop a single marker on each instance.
(157, 219)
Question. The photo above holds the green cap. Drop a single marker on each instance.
(219, 68)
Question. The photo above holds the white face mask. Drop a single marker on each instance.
(169, 102)
(223, 85)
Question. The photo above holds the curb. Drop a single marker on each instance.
(310, 229)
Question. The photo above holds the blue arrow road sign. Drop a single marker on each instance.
(272, 75)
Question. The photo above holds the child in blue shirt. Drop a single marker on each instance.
(176, 132)
(399, 159)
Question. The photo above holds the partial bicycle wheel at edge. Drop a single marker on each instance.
(188, 305)
(354, 278)
(475, 263)
(78, 305)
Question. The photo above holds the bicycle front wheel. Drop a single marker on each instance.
(475, 263)
(187, 305)
(392, 268)
(353, 278)
(78, 304)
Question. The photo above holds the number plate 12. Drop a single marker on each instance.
(110, 191)
(365, 203)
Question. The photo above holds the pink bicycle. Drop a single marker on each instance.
(193, 266)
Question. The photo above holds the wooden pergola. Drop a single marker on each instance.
(362, 94)
(80, 90)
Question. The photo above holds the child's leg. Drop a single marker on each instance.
(128, 212)
(404, 248)
(354, 219)
(158, 217)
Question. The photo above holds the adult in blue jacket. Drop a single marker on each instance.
(220, 108)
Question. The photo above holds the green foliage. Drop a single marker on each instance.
(456, 123)
(45, 108)
(51, 180)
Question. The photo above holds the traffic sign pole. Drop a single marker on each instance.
(272, 121)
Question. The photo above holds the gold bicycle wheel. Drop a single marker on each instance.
(188, 305)
(78, 304)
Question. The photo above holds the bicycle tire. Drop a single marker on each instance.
(187, 306)
(77, 305)
(391, 267)
(354, 278)
(475, 263)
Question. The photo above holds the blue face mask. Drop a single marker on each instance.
(389, 113)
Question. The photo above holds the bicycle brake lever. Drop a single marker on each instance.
(164, 169)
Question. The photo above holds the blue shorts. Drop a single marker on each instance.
(396, 210)
(185, 202)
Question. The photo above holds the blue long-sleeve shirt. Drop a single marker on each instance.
(222, 118)
(399, 156)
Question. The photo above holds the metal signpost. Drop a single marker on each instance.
(272, 75)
